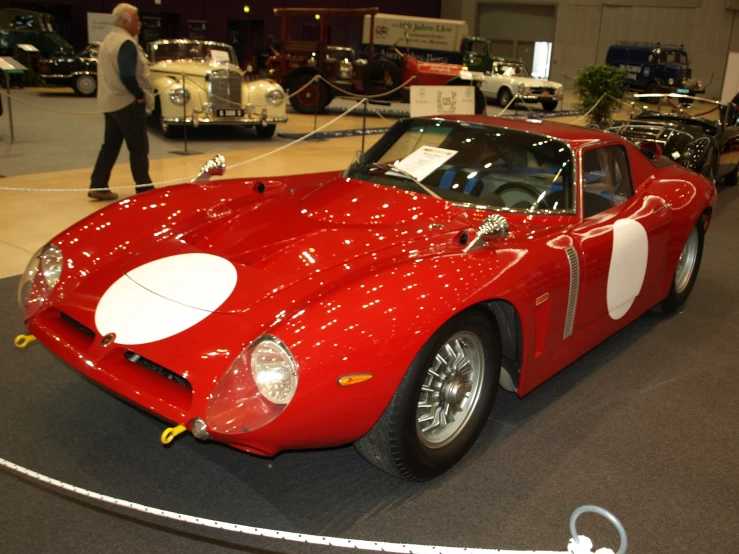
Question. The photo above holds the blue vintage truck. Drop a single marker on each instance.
(654, 68)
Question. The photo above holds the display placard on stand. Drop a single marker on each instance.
(442, 100)
(10, 65)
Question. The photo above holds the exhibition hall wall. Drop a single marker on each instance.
(584, 29)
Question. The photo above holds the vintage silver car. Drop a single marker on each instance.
(200, 83)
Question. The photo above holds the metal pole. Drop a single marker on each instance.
(315, 109)
(184, 113)
(10, 108)
(364, 123)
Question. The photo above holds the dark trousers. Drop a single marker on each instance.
(130, 124)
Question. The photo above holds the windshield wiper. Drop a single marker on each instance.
(405, 174)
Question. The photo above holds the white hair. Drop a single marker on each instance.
(123, 13)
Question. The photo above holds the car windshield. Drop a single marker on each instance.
(673, 56)
(486, 166)
(671, 107)
(511, 69)
(192, 51)
(340, 54)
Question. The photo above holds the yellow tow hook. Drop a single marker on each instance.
(21, 341)
(171, 432)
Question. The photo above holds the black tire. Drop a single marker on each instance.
(313, 99)
(380, 76)
(397, 444)
(549, 105)
(504, 96)
(732, 178)
(265, 131)
(682, 283)
(85, 85)
(653, 88)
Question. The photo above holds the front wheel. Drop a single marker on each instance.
(686, 272)
(653, 88)
(549, 105)
(85, 85)
(313, 99)
(442, 403)
(266, 131)
(504, 97)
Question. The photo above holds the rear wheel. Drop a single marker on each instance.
(686, 272)
(381, 76)
(85, 85)
(313, 99)
(442, 403)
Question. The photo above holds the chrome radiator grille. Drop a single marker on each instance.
(225, 89)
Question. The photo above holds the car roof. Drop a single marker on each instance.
(575, 135)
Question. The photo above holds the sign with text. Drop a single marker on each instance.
(442, 100)
(98, 26)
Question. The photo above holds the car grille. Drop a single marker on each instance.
(225, 89)
(539, 90)
(86, 330)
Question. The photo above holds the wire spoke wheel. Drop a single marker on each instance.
(451, 390)
(686, 263)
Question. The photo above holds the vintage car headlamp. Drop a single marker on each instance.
(670, 81)
(560, 92)
(257, 387)
(521, 88)
(39, 279)
(345, 69)
(179, 96)
(275, 97)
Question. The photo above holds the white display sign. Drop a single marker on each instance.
(415, 32)
(220, 56)
(442, 100)
(731, 78)
(424, 161)
(98, 26)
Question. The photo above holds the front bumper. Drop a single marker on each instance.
(202, 119)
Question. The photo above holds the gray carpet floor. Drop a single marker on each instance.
(645, 425)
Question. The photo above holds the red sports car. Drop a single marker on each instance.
(381, 305)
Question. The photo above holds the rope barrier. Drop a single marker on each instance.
(578, 544)
(586, 114)
(185, 180)
(512, 101)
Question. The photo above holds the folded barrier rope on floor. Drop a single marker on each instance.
(578, 544)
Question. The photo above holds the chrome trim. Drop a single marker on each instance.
(214, 166)
(67, 75)
(226, 120)
(574, 262)
(494, 226)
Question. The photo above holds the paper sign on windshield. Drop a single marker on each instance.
(424, 161)
(220, 56)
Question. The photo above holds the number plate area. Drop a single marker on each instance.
(683, 91)
(230, 113)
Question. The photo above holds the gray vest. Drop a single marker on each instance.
(112, 93)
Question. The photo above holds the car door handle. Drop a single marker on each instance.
(662, 207)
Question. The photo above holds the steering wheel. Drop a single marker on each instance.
(518, 195)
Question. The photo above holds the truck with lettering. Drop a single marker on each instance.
(655, 68)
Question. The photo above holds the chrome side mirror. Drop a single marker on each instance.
(214, 166)
(494, 227)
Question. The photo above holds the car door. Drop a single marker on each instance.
(621, 241)
(491, 83)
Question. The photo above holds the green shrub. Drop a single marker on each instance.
(591, 82)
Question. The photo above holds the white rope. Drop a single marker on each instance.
(511, 102)
(575, 547)
(186, 180)
(369, 97)
(301, 139)
(586, 114)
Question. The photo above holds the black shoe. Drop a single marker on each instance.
(144, 189)
(102, 194)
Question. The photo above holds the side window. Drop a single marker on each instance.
(606, 179)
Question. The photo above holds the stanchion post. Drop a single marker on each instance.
(315, 108)
(10, 108)
(364, 122)
(184, 113)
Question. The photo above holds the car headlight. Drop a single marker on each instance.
(257, 387)
(179, 96)
(521, 88)
(670, 81)
(275, 97)
(345, 69)
(39, 279)
(560, 92)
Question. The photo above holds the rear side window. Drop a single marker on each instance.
(606, 179)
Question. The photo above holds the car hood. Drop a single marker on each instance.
(193, 67)
(535, 82)
(335, 233)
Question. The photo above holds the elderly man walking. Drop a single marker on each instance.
(125, 93)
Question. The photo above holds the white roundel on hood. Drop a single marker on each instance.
(195, 283)
(628, 266)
